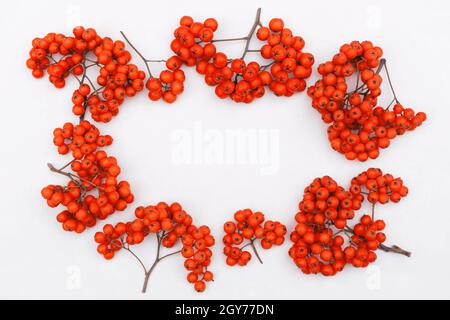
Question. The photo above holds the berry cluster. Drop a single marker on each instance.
(381, 188)
(171, 225)
(250, 226)
(359, 127)
(194, 45)
(92, 169)
(62, 56)
(81, 139)
(366, 240)
(169, 84)
(290, 66)
(322, 223)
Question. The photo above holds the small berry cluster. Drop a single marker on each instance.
(322, 222)
(365, 241)
(169, 84)
(381, 188)
(194, 45)
(92, 169)
(251, 226)
(81, 139)
(170, 224)
(291, 66)
(117, 78)
(359, 127)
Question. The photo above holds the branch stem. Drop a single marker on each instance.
(230, 39)
(139, 54)
(252, 31)
(395, 249)
(157, 260)
(385, 248)
(252, 243)
(389, 79)
(72, 176)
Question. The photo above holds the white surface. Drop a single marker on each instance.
(38, 260)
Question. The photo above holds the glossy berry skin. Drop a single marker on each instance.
(359, 128)
(93, 191)
(62, 56)
(247, 228)
(284, 74)
(173, 226)
(83, 207)
(323, 240)
(80, 140)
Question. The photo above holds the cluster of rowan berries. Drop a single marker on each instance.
(290, 66)
(367, 238)
(379, 187)
(322, 222)
(169, 84)
(250, 226)
(92, 169)
(172, 225)
(81, 139)
(359, 127)
(117, 78)
(234, 78)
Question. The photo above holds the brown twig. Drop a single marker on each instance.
(256, 251)
(373, 211)
(148, 272)
(72, 176)
(252, 31)
(139, 54)
(66, 165)
(158, 60)
(383, 61)
(385, 248)
(229, 39)
(395, 249)
(251, 243)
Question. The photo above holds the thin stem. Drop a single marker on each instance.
(245, 246)
(252, 243)
(385, 248)
(170, 254)
(67, 174)
(85, 76)
(147, 276)
(395, 249)
(137, 258)
(390, 104)
(92, 65)
(389, 79)
(373, 211)
(93, 61)
(362, 86)
(357, 78)
(157, 260)
(159, 60)
(267, 66)
(68, 164)
(139, 54)
(381, 65)
(230, 39)
(72, 176)
(252, 31)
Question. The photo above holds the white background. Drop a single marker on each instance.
(39, 260)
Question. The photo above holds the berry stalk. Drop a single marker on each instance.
(158, 259)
